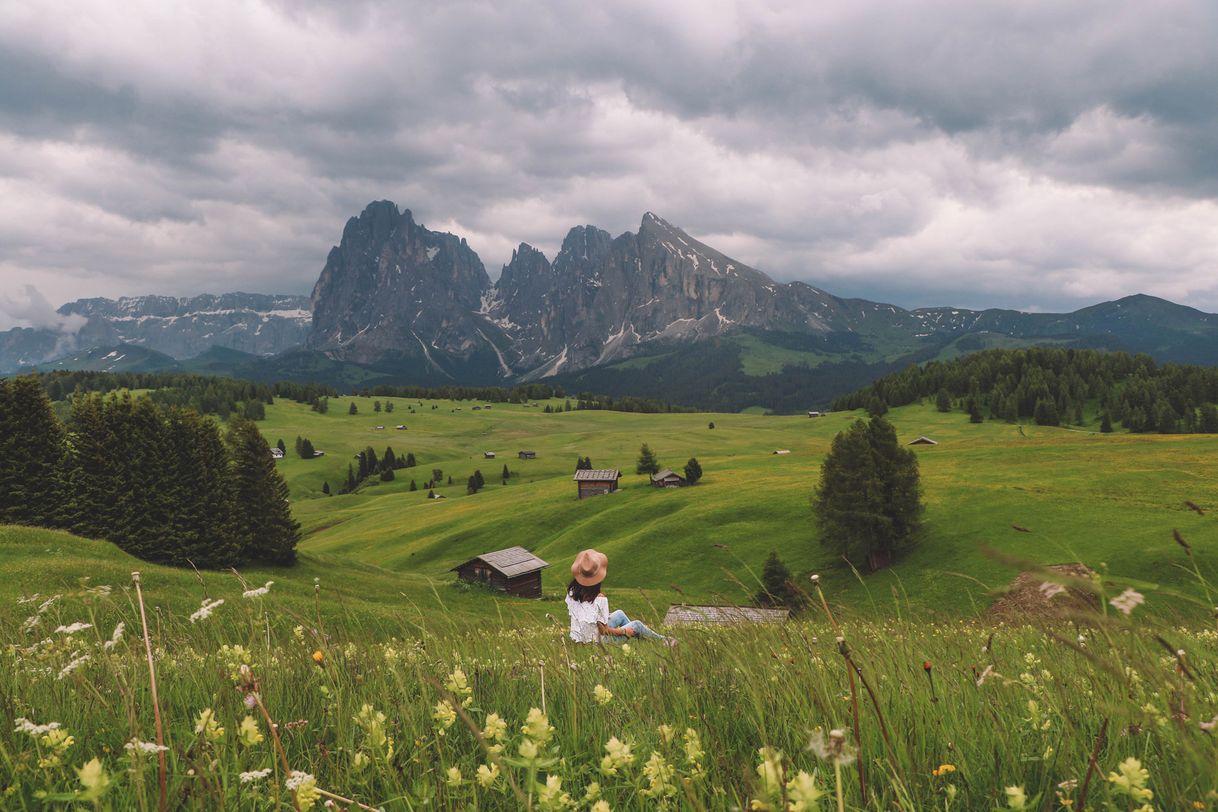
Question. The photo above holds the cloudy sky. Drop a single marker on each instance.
(1031, 153)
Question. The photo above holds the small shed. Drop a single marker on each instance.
(477, 408)
(515, 571)
(379, 428)
(596, 481)
(527, 455)
(487, 406)
(277, 452)
(781, 451)
(667, 478)
(680, 615)
(490, 455)
(814, 413)
(317, 453)
(924, 440)
(400, 428)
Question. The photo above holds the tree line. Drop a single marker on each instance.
(1052, 386)
(163, 482)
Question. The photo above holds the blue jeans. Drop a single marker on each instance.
(618, 620)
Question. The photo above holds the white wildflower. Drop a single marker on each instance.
(254, 775)
(73, 628)
(259, 592)
(205, 609)
(832, 748)
(26, 726)
(296, 779)
(137, 746)
(116, 637)
(1127, 600)
(73, 665)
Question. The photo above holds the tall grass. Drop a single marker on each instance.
(950, 716)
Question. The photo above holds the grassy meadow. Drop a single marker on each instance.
(366, 676)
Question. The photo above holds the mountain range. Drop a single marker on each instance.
(654, 313)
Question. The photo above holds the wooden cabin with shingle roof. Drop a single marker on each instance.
(596, 481)
(515, 571)
(680, 615)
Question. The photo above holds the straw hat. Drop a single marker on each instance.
(590, 567)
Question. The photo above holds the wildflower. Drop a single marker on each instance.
(832, 749)
(495, 728)
(693, 747)
(659, 774)
(205, 609)
(803, 793)
(529, 750)
(488, 774)
(617, 755)
(1051, 590)
(592, 792)
(319, 657)
(359, 761)
(453, 777)
(943, 769)
(116, 637)
(1016, 797)
(26, 726)
(602, 695)
(769, 773)
(373, 723)
(625, 649)
(551, 796)
(537, 727)
(93, 778)
(137, 746)
(76, 663)
(305, 788)
(74, 628)
(208, 727)
(254, 775)
(445, 715)
(259, 592)
(600, 806)
(248, 732)
(1131, 780)
(1127, 600)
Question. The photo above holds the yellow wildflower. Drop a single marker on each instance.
(1131, 780)
(248, 732)
(208, 727)
(487, 774)
(602, 695)
(444, 715)
(1016, 798)
(453, 777)
(803, 793)
(537, 727)
(943, 769)
(93, 778)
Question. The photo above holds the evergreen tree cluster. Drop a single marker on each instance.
(777, 586)
(161, 482)
(581, 464)
(370, 465)
(628, 403)
(648, 462)
(1051, 386)
(868, 503)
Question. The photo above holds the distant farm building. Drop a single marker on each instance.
(317, 453)
(477, 408)
(487, 406)
(782, 451)
(596, 481)
(490, 455)
(379, 428)
(815, 414)
(515, 571)
(722, 615)
(924, 440)
(527, 455)
(277, 453)
(667, 478)
(400, 428)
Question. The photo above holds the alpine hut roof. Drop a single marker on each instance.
(665, 474)
(510, 562)
(685, 615)
(597, 474)
(924, 440)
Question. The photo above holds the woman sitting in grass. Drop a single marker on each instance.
(591, 620)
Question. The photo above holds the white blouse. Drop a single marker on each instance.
(584, 617)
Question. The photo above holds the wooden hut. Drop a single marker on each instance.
(596, 481)
(679, 615)
(489, 455)
(527, 455)
(924, 440)
(515, 571)
(667, 478)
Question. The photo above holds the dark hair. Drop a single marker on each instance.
(581, 593)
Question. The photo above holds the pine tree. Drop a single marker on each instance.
(267, 531)
(325, 488)
(93, 481)
(204, 503)
(471, 487)
(353, 408)
(413, 485)
(868, 503)
(306, 449)
(943, 401)
(388, 406)
(710, 425)
(299, 446)
(693, 471)
(506, 472)
(437, 475)
(32, 456)
(478, 478)
(283, 449)
(389, 460)
(974, 410)
(376, 406)
(647, 463)
(254, 410)
(351, 481)
(450, 479)
(1045, 413)
(876, 407)
(410, 460)
(386, 474)
(1106, 424)
(777, 586)
(1208, 423)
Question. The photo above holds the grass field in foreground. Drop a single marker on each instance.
(366, 705)
(1101, 499)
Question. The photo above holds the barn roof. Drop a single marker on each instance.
(510, 562)
(924, 440)
(665, 474)
(684, 615)
(597, 475)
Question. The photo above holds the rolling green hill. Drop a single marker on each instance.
(1111, 499)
